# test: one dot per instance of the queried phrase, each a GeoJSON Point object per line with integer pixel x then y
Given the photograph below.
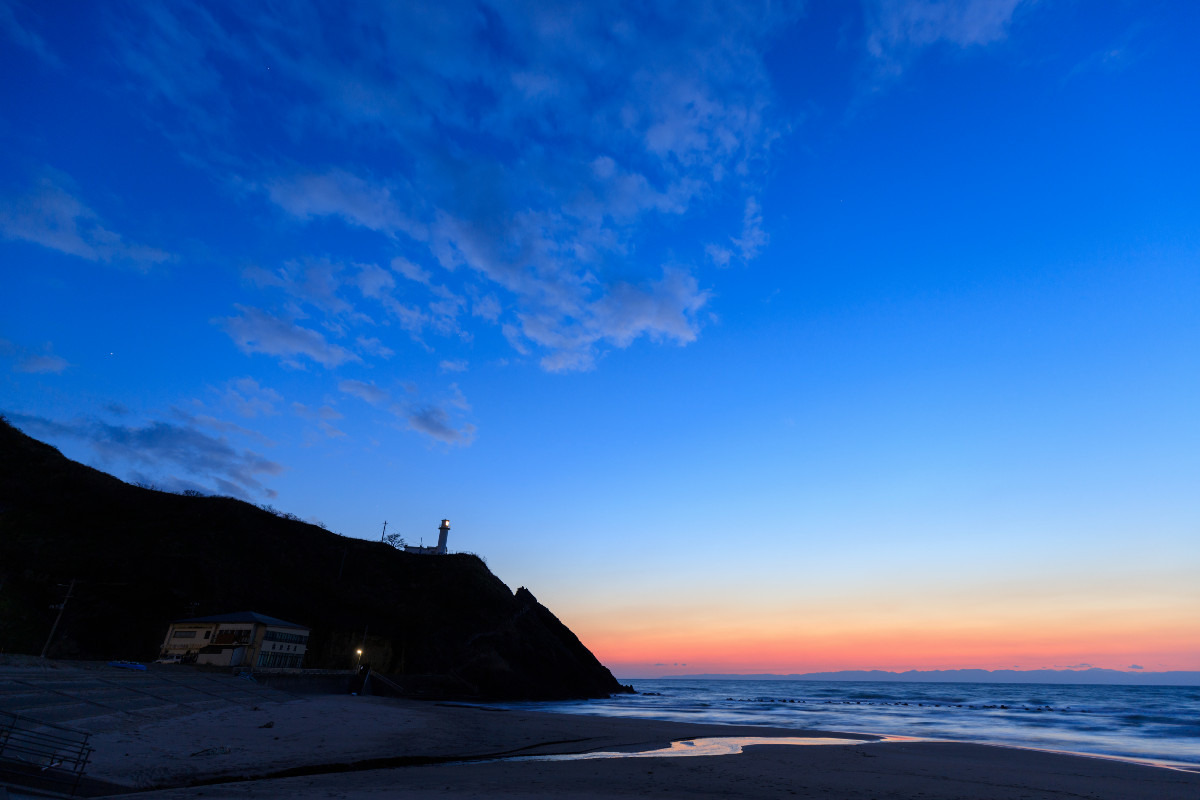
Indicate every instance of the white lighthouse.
{"type": "Point", "coordinates": [440, 550]}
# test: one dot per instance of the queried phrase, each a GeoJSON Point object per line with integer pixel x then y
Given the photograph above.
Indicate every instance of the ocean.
{"type": "Point", "coordinates": [1157, 724]}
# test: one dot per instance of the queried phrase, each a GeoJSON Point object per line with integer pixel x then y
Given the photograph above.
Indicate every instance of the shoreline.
{"type": "Point", "coordinates": [169, 735]}
{"type": "Point", "coordinates": [1152, 725]}
{"type": "Point", "coordinates": [1158, 763]}
{"type": "Point", "coordinates": [364, 747]}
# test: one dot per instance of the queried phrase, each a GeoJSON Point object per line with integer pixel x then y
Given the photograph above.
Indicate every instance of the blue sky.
{"type": "Point", "coordinates": [686, 315]}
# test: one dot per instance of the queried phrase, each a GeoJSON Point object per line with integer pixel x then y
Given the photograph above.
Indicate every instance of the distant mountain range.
{"type": "Point", "coordinates": [1093, 675]}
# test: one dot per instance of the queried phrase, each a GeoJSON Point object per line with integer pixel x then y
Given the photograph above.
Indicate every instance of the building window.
{"type": "Point", "coordinates": [278, 660]}
{"type": "Point", "coordinates": [183, 635]}
{"type": "Point", "coordinates": [233, 636]}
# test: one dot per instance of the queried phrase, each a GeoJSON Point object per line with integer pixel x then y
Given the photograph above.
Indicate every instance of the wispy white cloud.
{"type": "Point", "coordinates": [40, 361]}
{"type": "Point", "coordinates": [53, 217]}
{"type": "Point", "coordinates": [374, 281]}
{"type": "Point", "coordinates": [753, 238]}
{"type": "Point", "coordinates": [23, 34]}
{"type": "Point", "coordinates": [364, 391]}
{"type": "Point", "coordinates": [43, 363]}
{"type": "Point", "coordinates": [1117, 57]}
{"type": "Point", "coordinates": [487, 307]}
{"type": "Point", "coordinates": [411, 271]}
{"type": "Point", "coordinates": [435, 422]}
{"type": "Point", "coordinates": [373, 346]}
{"type": "Point", "coordinates": [438, 418]}
{"type": "Point", "coordinates": [359, 201]}
{"type": "Point", "coordinates": [165, 447]}
{"type": "Point", "coordinates": [718, 254]}
{"type": "Point", "coordinates": [536, 147]}
{"type": "Point", "coordinates": [175, 56]}
{"type": "Point", "coordinates": [897, 28]}
{"type": "Point", "coordinates": [323, 418]}
{"type": "Point", "coordinates": [249, 399]}
{"type": "Point", "coordinates": [323, 413]}
{"type": "Point", "coordinates": [453, 365]}
{"type": "Point", "coordinates": [748, 244]}
{"type": "Point", "coordinates": [256, 331]}
{"type": "Point", "coordinates": [662, 310]}
{"type": "Point", "coordinates": [317, 282]}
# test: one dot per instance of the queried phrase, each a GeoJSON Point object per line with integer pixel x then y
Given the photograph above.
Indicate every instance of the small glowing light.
{"type": "Point", "coordinates": [359, 651]}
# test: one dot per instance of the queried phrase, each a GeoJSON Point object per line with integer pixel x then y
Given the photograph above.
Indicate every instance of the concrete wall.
{"type": "Point", "coordinates": [307, 682]}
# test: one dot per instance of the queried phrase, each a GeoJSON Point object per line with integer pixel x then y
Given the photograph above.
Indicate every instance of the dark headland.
{"type": "Point", "coordinates": [141, 558]}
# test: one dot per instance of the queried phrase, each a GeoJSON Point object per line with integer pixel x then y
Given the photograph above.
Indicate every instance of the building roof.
{"type": "Point", "coordinates": [246, 616]}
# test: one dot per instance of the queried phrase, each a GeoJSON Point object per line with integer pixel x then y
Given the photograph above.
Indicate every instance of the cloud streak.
{"type": "Point", "coordinates": [256, 331]}
{"type": "Point", "coordinates": [435, 419]}
{"type": "Point", "coordinates": [899, 28]}
{"type": "Point", "coordinates": [536, 147]}
{"type": "Point", "coordinates": [435, 422]}
{"type": "Point", "coordinates": [367, 392]}
{"type": "Point", "coordinates": [249, 399]}
{"type": "Point", "coordinates": [37, 363]}
{"type": "Point", "coordinates": [164, 448]}
{"type": "Point", "coordinates": [53, 217]}
{"type": "Point", "coordinates": [24, 36]}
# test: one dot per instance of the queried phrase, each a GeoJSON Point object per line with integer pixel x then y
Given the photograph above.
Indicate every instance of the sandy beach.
{"type": "Point", "coordinates": [365, 747]}
{"type": "Point", "coordinates": [172, 733]}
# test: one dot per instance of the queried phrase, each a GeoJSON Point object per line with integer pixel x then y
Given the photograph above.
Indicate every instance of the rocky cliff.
{"type": "Point", "coordinates": [140, 558]}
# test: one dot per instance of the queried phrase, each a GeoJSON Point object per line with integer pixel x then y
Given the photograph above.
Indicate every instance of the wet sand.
{"type": "Point", "coordinates": [364, 747]}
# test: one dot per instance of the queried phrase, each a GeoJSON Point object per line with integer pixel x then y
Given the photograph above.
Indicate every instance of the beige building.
{"type": "Point", "coordinates": [241, 639]}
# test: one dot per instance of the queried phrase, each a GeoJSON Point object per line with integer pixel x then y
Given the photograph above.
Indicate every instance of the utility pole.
{"type": "Point", "coordinates": [61, 608]}
{"type": "Point", "coordinates": [383, 536]}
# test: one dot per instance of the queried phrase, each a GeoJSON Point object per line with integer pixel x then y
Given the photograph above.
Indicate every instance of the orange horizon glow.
{"type": "Point", "coordinates": [1147, 626]}
{"type": "Point", "coordinates": [1155, 648]}
{"type": "Point", "coordinates": [643, 668]}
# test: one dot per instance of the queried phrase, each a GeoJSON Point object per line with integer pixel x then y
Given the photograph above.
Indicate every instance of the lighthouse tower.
{"type": "Point", "coordinates": [443, 532]}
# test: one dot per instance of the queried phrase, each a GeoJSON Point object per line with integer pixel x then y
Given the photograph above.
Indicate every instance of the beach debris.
{"type": "Point", "coordinates": [220, 750]}
{"type": "Point", "coordinates": [270, 724]}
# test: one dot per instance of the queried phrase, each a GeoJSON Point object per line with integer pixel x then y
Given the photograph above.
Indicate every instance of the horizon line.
{"type": "Point", "coordinates": [1008, 672]}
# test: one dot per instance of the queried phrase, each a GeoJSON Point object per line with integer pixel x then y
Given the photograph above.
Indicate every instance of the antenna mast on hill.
{"type": "Point", "coordinates": [383, 536]}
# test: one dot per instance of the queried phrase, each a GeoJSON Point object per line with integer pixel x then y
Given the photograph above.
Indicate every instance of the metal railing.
{"type": "Point", "coordinates": [42, 753]}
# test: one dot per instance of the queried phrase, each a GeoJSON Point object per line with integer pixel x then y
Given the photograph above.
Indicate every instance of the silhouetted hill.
{"type": "Point", "coordinates": [143, 557]}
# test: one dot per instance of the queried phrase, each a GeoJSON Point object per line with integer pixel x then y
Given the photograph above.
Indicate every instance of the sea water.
{"type": "Point", "coordinates": [1160, 724]}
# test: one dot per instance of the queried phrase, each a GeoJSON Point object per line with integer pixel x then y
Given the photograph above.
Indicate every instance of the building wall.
{"type": "Point", "coordinates": [236, 640]}
{"type": "Point", "coordinates": [282, 647]}
{"type": "Point", "coordinates": [188, 637]}
{"type": "Point", "coordinates": [236, 644]}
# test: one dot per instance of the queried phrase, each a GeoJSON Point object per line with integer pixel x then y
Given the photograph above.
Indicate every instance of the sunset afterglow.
{"type": "Point", "coordinates": [749, 337]}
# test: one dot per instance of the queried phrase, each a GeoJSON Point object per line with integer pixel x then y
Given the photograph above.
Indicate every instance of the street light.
{"type": "Point", "coordinates": [359, 651]}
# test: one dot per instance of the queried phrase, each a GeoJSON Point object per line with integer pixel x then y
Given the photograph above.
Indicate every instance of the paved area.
{"type": "Point", "coordinates": [94, 697]}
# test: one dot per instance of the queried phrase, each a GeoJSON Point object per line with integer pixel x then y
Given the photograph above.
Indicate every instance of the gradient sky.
{"type": "Point", "coordinates": [749, 337]}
